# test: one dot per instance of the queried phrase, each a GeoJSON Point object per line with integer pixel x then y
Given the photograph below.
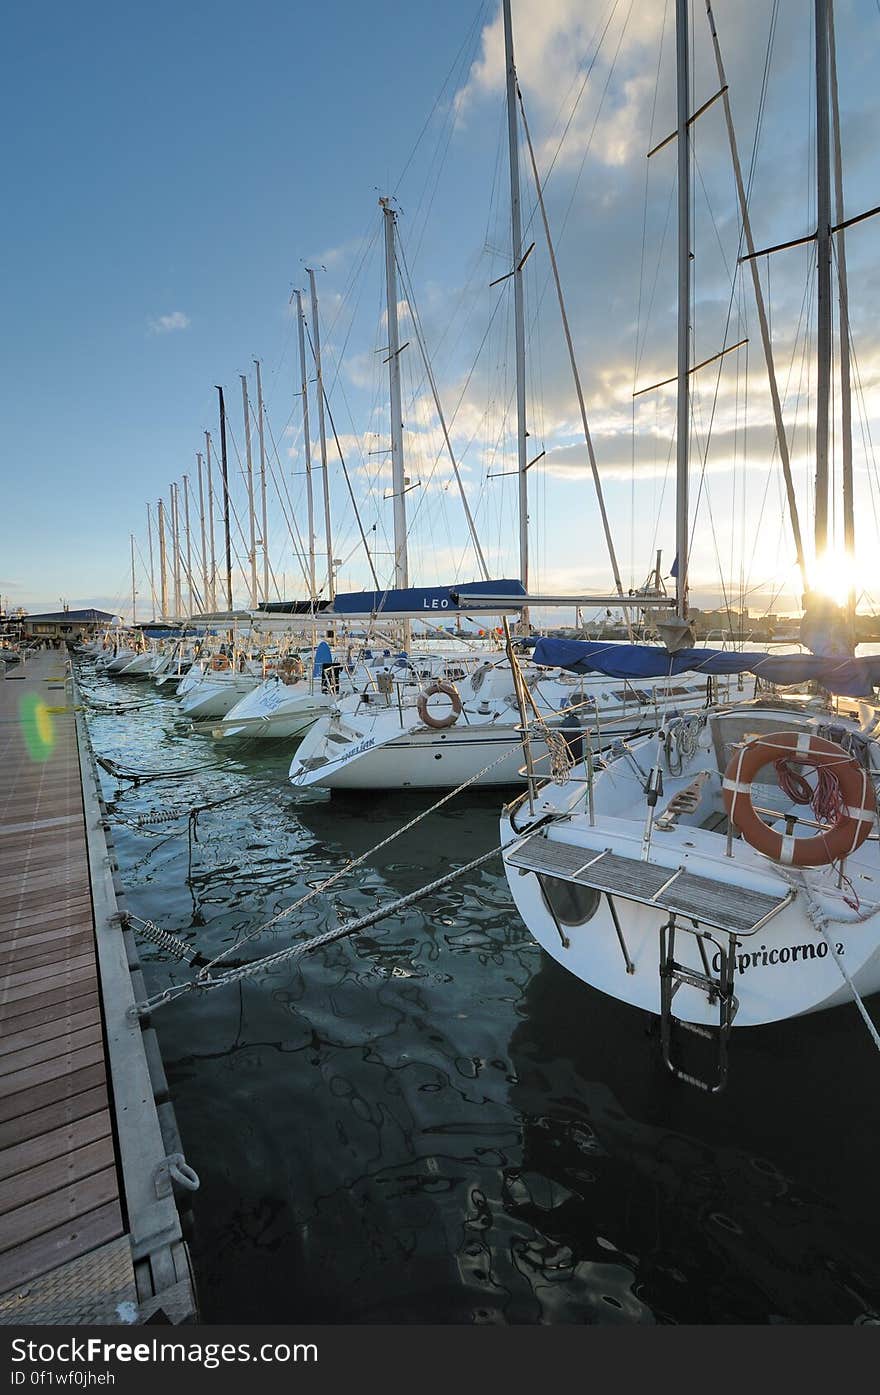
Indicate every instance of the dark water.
{"type": "Point", "coordinates": [434, 1122]}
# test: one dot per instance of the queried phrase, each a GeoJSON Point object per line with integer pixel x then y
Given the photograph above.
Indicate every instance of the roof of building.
{"type": "Point", "coordinates": [73, 617]}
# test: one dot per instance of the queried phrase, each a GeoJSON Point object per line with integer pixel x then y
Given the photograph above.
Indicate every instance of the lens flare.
{"type": "Point", "coordinates": [37, 726]}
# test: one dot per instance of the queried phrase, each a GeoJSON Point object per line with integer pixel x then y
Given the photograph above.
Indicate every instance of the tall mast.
{"type": "Point", "coordinates": [175, 539]}
{"type": "Point", "coordinates": [597, 483]}
{"type": "Point", "coordinates": [152, 573]}
{"type": "Point", "coordinates": [265, 521]}
{"type": "Point", "coordinates": [684, 299]}
{"type": "Point", "coordinates": [307, 443]}
{"type": "Point", "coordinates": [212, 589]}
{"type": "Point", "coordinates": [518, 315]}
{"type": "Point", "coordinates": [398, 482]}
{"type": "Point", "coordinates": [781, 438]}
{"type": "Point", "coordinates": [189, 575]}
{"type": "Point", "coordinates": [133, 591]}
{"type": "Point", "coordinates": [163, 574]}
{"type": "Point", "coordinates": [225, 472]}
{"type": "Point", "coordinates": [205, 591]}
{"type": "Point", "coordinates": [250, 487]}
{"type": "Point", "coordinates": [823, 249]}
{"type": "Point", "coordinates": [321, 432]}
{"type": "Point", "coordinates": [849, 529]}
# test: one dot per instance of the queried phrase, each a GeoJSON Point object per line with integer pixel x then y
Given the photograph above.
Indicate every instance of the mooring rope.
{"type": "Point", "coordinates": [204, 983]}
{"type": "Point", "coordinates": [121, 772]}
{"type": "Point", "coordinates": [356, 862]}
{"type": "Point", "coordinates": [180, 948]}
{"type": "Point", "coordinates": [821, 921]}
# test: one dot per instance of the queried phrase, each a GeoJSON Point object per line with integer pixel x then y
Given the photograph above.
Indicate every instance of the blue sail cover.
{"type": "Point", "coordinates": [430, 600]}
{"type": "Point", "coordinates": [846, 677]}
{"type": "Point", "coordinates": [323, 657]}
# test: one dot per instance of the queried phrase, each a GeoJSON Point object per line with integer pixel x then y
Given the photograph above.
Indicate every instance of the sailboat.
{"type": "Point", "coordinates": [447, 733]}
{"type": "Point", "coordinates": [699, 875]}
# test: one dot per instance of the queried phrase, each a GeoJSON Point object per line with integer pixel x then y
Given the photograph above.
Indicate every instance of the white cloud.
{"type": "Point", "coordinates": [167, 324]}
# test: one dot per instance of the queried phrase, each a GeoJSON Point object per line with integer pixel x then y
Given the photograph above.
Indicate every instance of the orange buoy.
{"type": "Point", "coordinates": [843, 837]}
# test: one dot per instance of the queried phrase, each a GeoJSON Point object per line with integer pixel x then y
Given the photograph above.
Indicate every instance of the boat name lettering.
{"type": "Point", "coordinates": [359, 749]}
{"type": "Point", "coordinates": [785, 954]}
{"type": "Point", "coordinates": [435, 604]}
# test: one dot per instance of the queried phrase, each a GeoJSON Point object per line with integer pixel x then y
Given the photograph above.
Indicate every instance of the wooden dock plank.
{"type": "Point", "coordinates": [63, 1086]}
{"type": "Point", "coordinates": [46, 1071]}
{"type": "Point", "coordinates": [51, 1248]}
{"type": "Point", "coordinates": [52, 1116]}
{"type": "Point", "coordinates": [45, 1031]}
{"type": "Point", "coordinates": [32, 1152]}
{"type": "Point", "coordinates": [67, 1169]}
{"type": "Point", "coordinates": [65, 1204]}
{"type": "Point", "coordinates": [48, 1012]}
{"type": "Point", "coordinates": [52, 1050]}
{"type": "Point", "coordinates": [59, 1187]}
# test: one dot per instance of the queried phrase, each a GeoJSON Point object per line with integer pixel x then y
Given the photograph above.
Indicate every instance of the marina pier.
{"type": "Point", "coordinates": [90, 1159]}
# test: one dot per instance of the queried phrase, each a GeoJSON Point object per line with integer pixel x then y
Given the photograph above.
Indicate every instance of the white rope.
{"type": "Point", "coordinates": [204, 983]}
{"type": "Point", "coordinates": [875, 1035]}
{"type": "Point", "coordinates": [355, 862]}
{"type": "Point", "coordinates": [821, 920]}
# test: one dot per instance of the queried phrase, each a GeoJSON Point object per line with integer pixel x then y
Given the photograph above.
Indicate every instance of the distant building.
{"type": "Point", "coordinates": [66, 624]}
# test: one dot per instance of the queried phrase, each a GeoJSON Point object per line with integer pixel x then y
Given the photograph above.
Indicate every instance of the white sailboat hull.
{"type": "Point", "coordinates": [213, 697]}
{"type": "Point", "coordinates": [599, 891]}
{"type": "Point", "coordinates": [273, 711]}
{"type": "Point", "coordinates": [423, 760]}
{"type": "Point", "coordinates": [786, 969]}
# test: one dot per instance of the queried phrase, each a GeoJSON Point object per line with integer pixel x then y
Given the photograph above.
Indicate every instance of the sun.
{"type": "Point", "coordinates": [834, 576]}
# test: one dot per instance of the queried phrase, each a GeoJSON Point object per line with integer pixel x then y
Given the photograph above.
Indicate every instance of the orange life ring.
{"type": "Point", "coordinates": [219, 663]}
{"type": "Point", "coordinates": [842, 838]}
{"type": "Point", "coordinates": [450, 690]}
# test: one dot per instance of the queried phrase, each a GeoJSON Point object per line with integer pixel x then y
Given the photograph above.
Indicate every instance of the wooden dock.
{"type": "Point", "coordinates": [89, 1231]}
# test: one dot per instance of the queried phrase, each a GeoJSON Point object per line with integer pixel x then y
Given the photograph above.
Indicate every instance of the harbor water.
{"type": "Point", "coordinates": [433, 1122]}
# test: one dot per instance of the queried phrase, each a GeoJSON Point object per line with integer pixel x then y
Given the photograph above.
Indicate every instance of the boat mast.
{"type": "Point", "coordinates": [322, 433]}
{"type": "Point", "coordinates": [133, 591]}
{"type": "Point", "coordinates": [597, 483]}
{"type": "Point", "coordinates": [255, 595]}
{"type": "Point", "coordinates": [213, 585]}
{"type": "Point", "coordinates": [398, 485]}
{"type": "Point", "coordinates": [175, 539]}
{"type": "Point", "coordinates": [163, 574]}
{"type": "Point", "coordinates": [307, 445]}
{"type": "Point", "coordinates": [152, 572]}
{"type": "Point", "coordinates": [189, 575]}
{"type": "Point", "coordinates": [518, 313]}
{"type": "Point", "coordinates": [849, 529]}
{"type": "Point", "coordinates": [262, 441]}
{"type": "Point", "coordinates": [781, 438]}
{"type": "Point", "coordinates": [823, 249]}
{"type": "Point", "coordinates": [398, 479]}
{"type": "Point", "coordinates": [225, 473]}
{"type": "Point", "coordinates": [205, 591]}
{"type": "Point", "coordinates": [684, 297]}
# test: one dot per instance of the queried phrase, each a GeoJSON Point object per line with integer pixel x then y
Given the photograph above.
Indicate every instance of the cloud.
{"type": "Point", "coordinates": [167, 324]}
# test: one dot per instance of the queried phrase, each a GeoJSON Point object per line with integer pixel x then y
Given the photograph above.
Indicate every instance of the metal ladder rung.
{"type": "Point", "coordinates": [672, 977]}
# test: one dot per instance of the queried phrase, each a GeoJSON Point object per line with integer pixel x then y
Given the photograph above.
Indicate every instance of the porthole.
{"type": "Point", "coordinates": [571, 903]}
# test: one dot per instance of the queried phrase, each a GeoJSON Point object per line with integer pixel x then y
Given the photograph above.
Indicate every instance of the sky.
{"type": "Point", "coordinates": [173, 170]}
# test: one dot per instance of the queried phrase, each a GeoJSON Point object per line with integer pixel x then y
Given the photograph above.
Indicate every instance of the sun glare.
{"type": "Point", "coordinates": [834, 576]}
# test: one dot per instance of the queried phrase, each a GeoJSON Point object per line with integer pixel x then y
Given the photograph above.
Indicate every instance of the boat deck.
{"type": "Point", "coordinates": [65, 1234]}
